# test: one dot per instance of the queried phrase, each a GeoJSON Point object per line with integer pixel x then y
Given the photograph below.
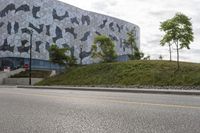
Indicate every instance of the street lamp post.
{"type": "Point", "coordinates": [81, 56]}
{"type": "Point", "coordinates": [30, 59]}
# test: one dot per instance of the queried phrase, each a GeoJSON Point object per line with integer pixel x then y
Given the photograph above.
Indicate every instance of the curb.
{"type": "Point", "coordinates": [122, 90]}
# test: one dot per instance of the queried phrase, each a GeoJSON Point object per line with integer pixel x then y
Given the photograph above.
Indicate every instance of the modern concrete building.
{"type": "Point", "coordinates": [53, 21]}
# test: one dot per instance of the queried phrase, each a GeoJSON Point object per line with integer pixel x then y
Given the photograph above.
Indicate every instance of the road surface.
{"type": "Point", "coordinates": [59, 111]}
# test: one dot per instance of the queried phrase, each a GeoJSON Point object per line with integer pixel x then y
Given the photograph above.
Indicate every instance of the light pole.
{"type": "Point", "coordinates": [30, 59]}
{"type": "Point", "coordinates": [81, 51]}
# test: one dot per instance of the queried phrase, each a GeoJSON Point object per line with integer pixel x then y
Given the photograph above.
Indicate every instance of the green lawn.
{"type": "Point", "coordinates": [129, 73]}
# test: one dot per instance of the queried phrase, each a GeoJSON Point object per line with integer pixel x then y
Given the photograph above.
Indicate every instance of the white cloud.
{"type": "Point", "coordinates": [148, 14]}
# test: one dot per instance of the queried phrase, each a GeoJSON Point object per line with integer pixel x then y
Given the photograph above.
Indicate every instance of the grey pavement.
{"type": "Point", "coordinates": [67, 111]}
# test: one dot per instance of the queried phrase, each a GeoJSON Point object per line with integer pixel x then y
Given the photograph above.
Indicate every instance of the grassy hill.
{"type": "Point", "coordinates": [129, 73]}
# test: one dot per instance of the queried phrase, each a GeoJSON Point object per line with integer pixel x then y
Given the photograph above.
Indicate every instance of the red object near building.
{"type": "Point", "coordinates": [26, 67]}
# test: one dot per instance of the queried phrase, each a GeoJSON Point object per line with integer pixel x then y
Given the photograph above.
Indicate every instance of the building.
{"type": "Point", "coordinates": [53, 21]}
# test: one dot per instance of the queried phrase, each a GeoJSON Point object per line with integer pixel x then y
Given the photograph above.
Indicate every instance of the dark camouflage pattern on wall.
{"type": "Point", "coordinates": [55, 22]}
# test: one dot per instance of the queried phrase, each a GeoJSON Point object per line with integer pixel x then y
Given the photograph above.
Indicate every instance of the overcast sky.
{"type": "Point", "coordinates": [148, 14]}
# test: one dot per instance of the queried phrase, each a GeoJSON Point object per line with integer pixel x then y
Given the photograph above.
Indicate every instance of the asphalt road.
{"type": "Point", "coordinates": [59, 111]}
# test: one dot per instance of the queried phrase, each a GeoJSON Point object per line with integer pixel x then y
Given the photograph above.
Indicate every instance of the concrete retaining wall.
{"type": "Point", "coordinates": [20, 81]}
{"type": "Point", "coordinates": [4, 75]}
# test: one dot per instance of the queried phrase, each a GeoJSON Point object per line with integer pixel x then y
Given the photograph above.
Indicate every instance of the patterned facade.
{"type": "Point", "coordinates": [53, 21]}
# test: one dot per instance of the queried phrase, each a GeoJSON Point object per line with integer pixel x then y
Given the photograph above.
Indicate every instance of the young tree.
{"type": "Point", "coordinates": [104, 49]}
{"type": "Point", "coordinates": [163, 42]}
{"type": "Point", "coordinates": [72, 61]}
{"type": "Point", "coordinates": [136, 54]}
{"type": "Point", "coordinates": [131, 41]}
{"type": "Point", "coordinates": [59, 56]}
{"type": "Point", "coordinates": [147, 57]}
{"type": "Point", "coordinates": [160, 57]}
{"type": "Point", "coordinates": [178, 31]}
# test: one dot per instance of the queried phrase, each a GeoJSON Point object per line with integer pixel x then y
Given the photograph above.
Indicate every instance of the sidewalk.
{"type": "Point", "coordinates": [122, 90]}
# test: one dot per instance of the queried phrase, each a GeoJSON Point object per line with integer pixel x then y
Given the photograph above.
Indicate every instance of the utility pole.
{"type": "Point", "coordinates": [81, 56]}
{"type": "Point", "coordinates": [30, 59]}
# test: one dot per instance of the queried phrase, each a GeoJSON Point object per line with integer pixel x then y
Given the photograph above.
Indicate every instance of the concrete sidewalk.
{"type": "Point", "coordinates": [123, 90]}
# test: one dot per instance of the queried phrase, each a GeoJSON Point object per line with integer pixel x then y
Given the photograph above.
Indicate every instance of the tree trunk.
{"type": "Point", "coordinates": [132, 50]}
{"type": "Point", "coordinates": [170, 52]}
{"type": "Point", "coordinates": [178, 64]}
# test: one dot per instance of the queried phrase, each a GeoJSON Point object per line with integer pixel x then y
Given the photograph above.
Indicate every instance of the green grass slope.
{"type": "Point", "coordinates": [129, 73]}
